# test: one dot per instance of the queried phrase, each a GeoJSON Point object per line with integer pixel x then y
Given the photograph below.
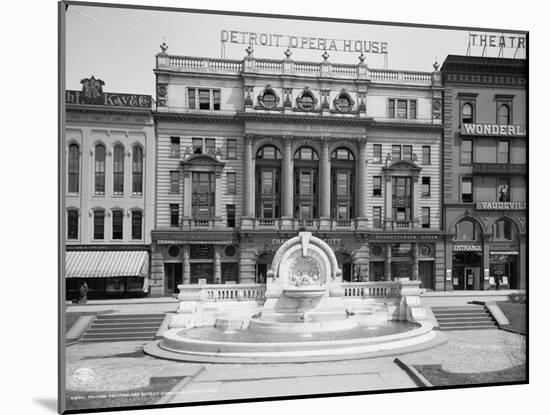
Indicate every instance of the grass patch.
{"type": "Point", "coordinates": [439, 377]}
{"type": "Point", "coordinates": [147, 395]}
{"type": "Point", "coordinates": [70, 319]}
{"type": "Point", "coordinates": [516, 313]}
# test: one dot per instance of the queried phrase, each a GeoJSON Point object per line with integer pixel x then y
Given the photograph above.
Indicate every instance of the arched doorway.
{"type": "Point", "coordinates": [467, 256]}
{"type": "Point", "coordinates": [504, 255]}
{"type": "Point", "coordinates": [345, 263]}
{"type": "Point", "coordinates": [263, 263]}
{"type": "Point", "coordinates": [268, 182]}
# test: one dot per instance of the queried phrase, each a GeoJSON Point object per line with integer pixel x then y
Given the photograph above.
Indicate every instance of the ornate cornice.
{"type": "Point", "coordinates": [106, 110]}
{"type": "Point", "coordinates": [404, 126]}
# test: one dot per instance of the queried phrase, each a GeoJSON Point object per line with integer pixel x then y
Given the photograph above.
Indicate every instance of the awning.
{"type": "Point", "coordinates": [106, 264]}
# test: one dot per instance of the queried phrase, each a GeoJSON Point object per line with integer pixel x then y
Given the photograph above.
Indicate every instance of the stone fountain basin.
{"type": "Point", "coordinates": [304, 292]}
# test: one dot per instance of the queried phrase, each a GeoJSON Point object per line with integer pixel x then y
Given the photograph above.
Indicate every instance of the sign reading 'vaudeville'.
{"type": "Point", "coordinates": [304, 42]}
{"type": "Point", "coordinates": [501, 205]}
{"type": "Point", "coordinates": [493, 130]}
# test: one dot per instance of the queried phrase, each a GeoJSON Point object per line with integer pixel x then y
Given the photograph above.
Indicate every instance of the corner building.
{"type": "Point", "coordinates": [485, 172]}
{"type": "Point", "coordinates": [251, 151]}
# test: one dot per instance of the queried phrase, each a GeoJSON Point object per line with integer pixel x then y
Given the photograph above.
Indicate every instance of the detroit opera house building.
{"type": "Point", "coordinates": [251, 151]}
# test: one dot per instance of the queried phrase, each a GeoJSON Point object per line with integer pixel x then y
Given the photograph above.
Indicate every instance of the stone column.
{"type": "Point", "coordinates": [388, 214]}
{"type": "Point", "coordinates": [218, 201]}
{"type": "Point", "coordinates": [448, 262]}
{"type": "Point", "coordinates": [324, 185]}
{"type": "Point", "coordinates": [485, 260]}
{"type": "Point", "coordinates": [414, 253]}
{"type": "Point", "coordinates": [186, 267]}
{"type": "Point", "coordinates": [287, 184]}
{"type": "Point", "coordinates": [362, 184]}
{"type": "Point", "coordinates": [388, 262]}
{"type": "Point", "coordinates": [522, 261]}
{"type": "Point", "coordinates": [414, 204]}
{"type": "Point", "coordinates": [248, 180]}
{"type": "Point", "coordinates": [217, 266]}
{"type": "Point", "coordinates": [187, 185]}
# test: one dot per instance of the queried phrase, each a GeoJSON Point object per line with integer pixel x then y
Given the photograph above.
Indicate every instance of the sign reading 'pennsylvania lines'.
{"type": "Point", "coordinates": [501, 205]}
{"type": "Point", "coordinates": [304, 42]}
{"type": "Point", "coordinates": [493, 130]}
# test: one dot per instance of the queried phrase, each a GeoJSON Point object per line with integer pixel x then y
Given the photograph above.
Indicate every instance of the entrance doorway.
{"type": "Point", "coordinates": [345, 262]}
{"type": "Point", "coordinates": [173, 275]}
{"type": "Point", "coordinates": [426, 274]}
{"type": "Point", "coordinates": [467, 271]}
{"type": "Point", "coordinates": [376, 271]}
{"type": "Point", "coordinates": [263, 264]}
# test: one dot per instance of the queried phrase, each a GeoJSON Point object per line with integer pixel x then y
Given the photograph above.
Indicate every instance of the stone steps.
{"type": "Point", "coordinates": [123, 327]}
{"type": "Point", "coordinates": [464, 318]}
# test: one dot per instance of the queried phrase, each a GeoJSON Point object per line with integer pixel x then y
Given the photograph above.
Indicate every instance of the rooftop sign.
{"type": "Point", "coordinates": [92, 94]}
{"type": "Point", "coordinates": [304, 42]}
{"type": "Point", "coordinates": [493, 130]}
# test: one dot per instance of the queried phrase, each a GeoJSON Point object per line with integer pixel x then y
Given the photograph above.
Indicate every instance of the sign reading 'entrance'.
{"type": "Point", "coordinates": [467, 248]}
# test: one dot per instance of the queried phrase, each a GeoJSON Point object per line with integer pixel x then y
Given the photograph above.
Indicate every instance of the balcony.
{"type": "Point", "coordinates": [398, 225]}
{"type": "Point", "coordinates": [500, 168]}
{"type": "Point", "coordinates": [202, 224]}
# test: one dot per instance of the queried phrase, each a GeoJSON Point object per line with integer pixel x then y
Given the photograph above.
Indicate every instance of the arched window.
{"type": "Point", "coordinates": [99, 186]}
{"type": "Point", "coordinates": [137, 224]}
{"type": "Point", "coordinates": [118, 170]}
{"type": "Point", "coordinates": [137, 170]}
{"type": "Point", "coordinates": [99, 224]}
{"type": "Point", "coordinates": [504, 114]}
{"type": "Point", "coordinates": [466, 231]}
{"type": "Point", "coordinates": [72, 223]}
{"type": "Point", "coordinates": [74, 168]}
{"type": "Point", "coordinates": [343, 184]}
{"type": "Point", "coordinates": [306, 188]}
{"type": "Point", "coordinates": [504, 230]}
{"type": "Point", "coordinates": [467, 113]}
{"type": "Point", "coordinates": [268, 182]}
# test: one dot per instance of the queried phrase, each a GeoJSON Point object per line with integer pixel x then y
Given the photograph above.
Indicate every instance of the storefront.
{"type": "Point", "coordinates": [467, 266]}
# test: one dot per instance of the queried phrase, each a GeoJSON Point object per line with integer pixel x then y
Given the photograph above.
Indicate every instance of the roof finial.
{"type": "Point", "coordinates": [362, 58]}
{"type": "Point", "coordinates": [249, 50]}
{"type": "Point", "coordinates": [325, 55]}
{"type": "Point", "coordinates": [288, 53]}
{"type": "Point", "coordinates": [436, 65]}
{"type": "Point", "coordinates": [163, 46]}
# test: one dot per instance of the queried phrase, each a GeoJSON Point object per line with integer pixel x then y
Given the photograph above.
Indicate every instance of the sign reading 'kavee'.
{"type": "Point", "coordinates": [92, 94]}
{"type": "Point", "coordinates": [501, 205]}
{"type": "Point", "coordinates": [493, 130]}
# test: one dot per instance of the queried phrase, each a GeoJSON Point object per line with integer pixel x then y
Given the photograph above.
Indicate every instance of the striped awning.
{"type": "Point", "coordinates": [106, 264]}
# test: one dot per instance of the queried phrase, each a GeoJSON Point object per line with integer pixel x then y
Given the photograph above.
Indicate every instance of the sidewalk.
{"type": "Point", "coordinates": [125, 305]}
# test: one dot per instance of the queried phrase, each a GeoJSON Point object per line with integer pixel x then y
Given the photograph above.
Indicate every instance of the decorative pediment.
{"type": "Point", "coordinates": [402, 166]}
{"type": "Point", "coordinates": [202, 162]}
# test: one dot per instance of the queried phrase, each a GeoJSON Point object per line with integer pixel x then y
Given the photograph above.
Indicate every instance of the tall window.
{"type": "Point", "coordinates": [503, 152]}
{"type": "Point", "coordinates": [466, 231]}
{"type": "Point", "coordinates": [467, 195]}
{"type": "Point", "coordinates": [377, 217]}
{"type": "Point", "coordinates": [137, 224]}
{"type": "Point", "coordinates": [396, 152]}
{"type": "Point", "coordinates": [377, 153]}
{"type": "Point", "coordinates": [216, 96]}
{"type": "Point", "coordinates": [425, 186]}
{"type": "Point", "coordinates": [118, 219]}
{"type": "Point", "coordinates": [204, 99]}
{"type": "Point", "coordinates": [401, 108]}
{"type": "Point", "coordinates": [503, 190]}
{"type": "Point", "coordinates": [99, 186]}
{"type": "Point", "coordinates": [74, 168]}
{"type": "Point", "coordinates": [174, 214]}
{"type": "Point", "coordinates": [230, 216]}
{"type": "Point", "coordinates": [210, 146]}
{"type": "Point", "coordinates": [377, 186]}
{"type": "Point", "coordinates": [426, 155]}
{"type": "Point", "coordinates": [391, 108]}
{"type": "Point", "coordinates": [72, 224]}
{"type": "Point", "coordinates": [99, 224]}
{"type": "Point", "coordinates": [425, 217]}
{"type": "Point", "coordinates": [191, 98]}
{"type": "Point", "coordinates": [268, 176]}
{"type": "Point", "coordinates": [174, 181]}
{"type": "Point", "coordinates": [503, 230]}
{"type": "Point", "coordinates": [197, 145]}
{"type": "Point", "coordinates": [467, 113]}
{"type": "Point", "coordinates": [407, 153]}
{"type": "Point", "coordinates": [343, 182]}
{"type": "Point", "coordinates": [466, 151]}
{"type": "Point", "coordinates": [306, 194]}
{"type": "Point", "coordinates": [504, 117]}
{"type": "Point", "coordinates": [231, 148]}
{"type": "Point", "coordinates": [118, 170]}
{"type": "Point", "coordinates": [137, 170]}
{"type": "Point", "coordinates": [401, 198]}
{"type": "Point", "coordinates": [412, 109]}
{"type": "Point", "coordinates": [174, 146]}
{"type": "Point", "coordinates": [203, 195]}
{"type": "Point", "coordinates": [232, 183]}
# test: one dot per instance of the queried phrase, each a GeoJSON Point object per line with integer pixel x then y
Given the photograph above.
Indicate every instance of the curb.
{"type": "Point", "coordinates": [414, 374]}
{"type": "Point", "coordinates": [180, 385]}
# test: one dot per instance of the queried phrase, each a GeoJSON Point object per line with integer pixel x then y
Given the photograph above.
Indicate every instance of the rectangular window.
{"type": "Point", "coordinates": [174, 181]}
{"type": "Point", "coordinates": [466, 153]}
{"type": "Point", "coordinates": [72, 224]}
{"type": "Point", "coordinates": [267, 181]}
{"type": "Point", "coordinates": [377, 186]}
{"type": "Point", "coordinates": [503, 190]}
{"type": "Point", "coordinates": [230, 216]}
{"type": "Point", "coordinates": [377, 217]}
{"type": "Point", "coordinates": [467, 190]}
{"type": "Point", "coordinates": [117, 224]}
{"type": "Point", "coordinates": [426, 155]}
{"type": "Point", "coordinates": [412, 109]}
{"type": "Point", "coordinates": [191, 98]}
{"type": "Point", "coordinates": [216, 94]}
{"type": "Point", "coordinates": [204, 99]}
{"type": "Point", "coordinates": [342, 183]}
{"type": "Point", "coordinates": [391, 108]}
{"type": "Point", "coordinates": [174, 146]}
{"type": "Point", "coordinates": [197, 145]}
{"type": "Point", "coordinates": [377, 153]}
{"type": "Point", "coordinates": [407, 153]}
{"type": "Point", "coordinates": [425, 217]}
{"type": "Point", "coordinates": [232, 183]}
{"type": "Point", "coordinates": [231, 149]}
{"type": "Point", "coordinates": [267, 210]}
{"type": "Point", "coordinates": [137, 219]}
{"type": "Point", "coordinates": [99, 224]}
{"type": "Point", "coordinates": [174, 214]}
{"type": "Point", "coordinates": [306, 183]}
{"type": "Point", "coordinates": [210, 146]}
{"type": "Point", "coordinates": [395, 153]}
{"type": "Point", "coordinates": [425, 186]}
{"type": "Point", "coordinates": [503, 152]}
{"type": "Point", "coordinates": [401, 109]}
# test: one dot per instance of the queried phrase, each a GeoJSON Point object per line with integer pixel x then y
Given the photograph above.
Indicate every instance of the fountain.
{"type": "Point", "coordinates": [302, 315]}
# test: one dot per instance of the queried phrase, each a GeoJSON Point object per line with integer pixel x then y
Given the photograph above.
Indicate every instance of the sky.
{"type": "Point", "coordinates": [119, 45]}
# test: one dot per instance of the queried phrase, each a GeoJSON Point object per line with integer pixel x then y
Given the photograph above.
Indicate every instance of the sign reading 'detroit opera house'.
{"type": "Point", "coordinates": [493, 130]}
{"type": "Point", "coordinates": [303, 42]}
